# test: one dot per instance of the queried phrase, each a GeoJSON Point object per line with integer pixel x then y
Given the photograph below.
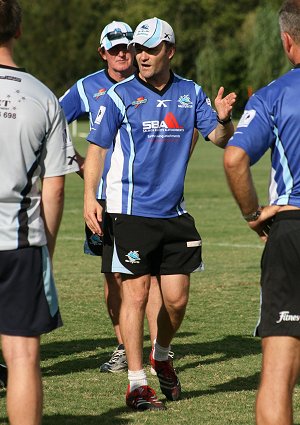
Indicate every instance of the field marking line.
{"type": "Point", "coordinates": [229, 245]}
{"type": "Point", "coordinates": [234, 245]}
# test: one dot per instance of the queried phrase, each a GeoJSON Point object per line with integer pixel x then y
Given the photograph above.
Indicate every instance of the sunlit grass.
{"type": "Point", "coordinates": [217, 359]}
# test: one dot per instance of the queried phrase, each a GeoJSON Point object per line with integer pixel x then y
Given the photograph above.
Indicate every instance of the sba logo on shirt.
{"type": "Point", "coordinates": [170, 122]}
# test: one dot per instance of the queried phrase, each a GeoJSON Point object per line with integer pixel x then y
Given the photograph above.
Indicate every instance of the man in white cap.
{"type": "Point", "coordinates": [150, 119]}
{"type": "Point", "coordinates": [86, 96]}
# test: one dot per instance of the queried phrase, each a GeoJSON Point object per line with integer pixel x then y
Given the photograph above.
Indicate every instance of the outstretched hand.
{"type": "Point", "coordinates": [225, 104]}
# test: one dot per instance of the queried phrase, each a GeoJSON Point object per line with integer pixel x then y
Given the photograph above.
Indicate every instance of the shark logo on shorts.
{"type": "Point", "coordinates": [133, 257]}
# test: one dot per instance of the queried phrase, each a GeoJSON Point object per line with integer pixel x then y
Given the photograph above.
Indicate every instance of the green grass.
{"type": "Point", "coordinates": [217, 358]}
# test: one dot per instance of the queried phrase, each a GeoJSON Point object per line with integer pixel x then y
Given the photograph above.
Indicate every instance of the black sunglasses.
{"type": "Point", "coordinates": [117, 35]}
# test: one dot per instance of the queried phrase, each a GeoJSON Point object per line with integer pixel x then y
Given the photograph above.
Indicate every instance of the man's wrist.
{"type": "Point", "coordinates": [253, 216]}
{"type": "Point", "coordinates": [224, 121]}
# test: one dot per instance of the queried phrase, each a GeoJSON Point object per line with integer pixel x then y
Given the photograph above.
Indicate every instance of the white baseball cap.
{"type": "Point", "coordinates": [115, 33]}
{"type": "Point", "coordinates": [151, 32]}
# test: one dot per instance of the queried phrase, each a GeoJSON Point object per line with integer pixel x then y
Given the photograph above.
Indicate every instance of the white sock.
{"type": "Point", "coordinates": [160, 353]}
{"type": "Point", "coordinates": [137, 378]}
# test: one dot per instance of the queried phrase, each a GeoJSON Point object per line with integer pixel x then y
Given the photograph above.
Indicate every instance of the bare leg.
{"type": "Point", "coordinates": [175, 293]}
{"type": "Point", "coordinates": [280, 371]}
{"type": "Point", "coordinates": [24, 387]}
{"type": "Point", "coordinates": [135, 292]}
{"type": "Point", "coordinates": [153, 307]}
{"type": "Point", "coordinates": [113, 299]}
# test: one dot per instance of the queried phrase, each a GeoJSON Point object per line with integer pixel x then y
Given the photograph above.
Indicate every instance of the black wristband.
{"type": "Point", "coordinates": [223, 122]}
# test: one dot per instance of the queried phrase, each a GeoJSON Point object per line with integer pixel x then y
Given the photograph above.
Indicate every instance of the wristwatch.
{"type": "Point", "coordinates": [224, 122]}
{"type": "Point", "coordinates": [253, 216]}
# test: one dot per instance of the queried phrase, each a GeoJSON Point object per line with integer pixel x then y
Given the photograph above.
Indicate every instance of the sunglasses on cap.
{"type": "Point", "coordinates": [117, 35]}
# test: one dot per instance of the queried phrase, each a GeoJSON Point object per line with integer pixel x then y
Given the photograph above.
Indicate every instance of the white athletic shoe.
{"type": "Point", "coordinates": [117, 362]}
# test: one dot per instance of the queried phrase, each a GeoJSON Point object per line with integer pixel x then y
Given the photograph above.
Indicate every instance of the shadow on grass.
{"type": "Point", "coordinates": [112, 417]}
{"type": "Point", "coordinates": [229, 347]}
{"type": "Point", "coordinates": [59, 348]}
{"type": "Point", "coordinates": [109, 418]}
{"type": "Point", "coordinates": [83, 347]}
{"type": "Point", "coordinates": [249, 383]}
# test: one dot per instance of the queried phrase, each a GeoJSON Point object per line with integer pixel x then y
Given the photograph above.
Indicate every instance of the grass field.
{"type": "Point", "coordinates": [217, 359]}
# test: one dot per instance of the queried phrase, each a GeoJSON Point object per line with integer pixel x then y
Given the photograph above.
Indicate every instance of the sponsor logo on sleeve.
{"type": "Point", "coordinates": [246, 118]}
{"type": "Point", "coordinates": [100, 114]}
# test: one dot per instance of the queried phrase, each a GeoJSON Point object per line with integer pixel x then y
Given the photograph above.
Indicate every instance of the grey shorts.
{"type": "Point", "coordinates": [28, 299]}
{"type": "Point", "coordinates": [280, 278]}
{"type": "Point", "coordinates": [157, 246]}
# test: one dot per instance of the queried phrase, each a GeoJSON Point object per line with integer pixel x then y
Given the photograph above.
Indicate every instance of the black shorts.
{"type": "Point", "coordinates": [280, 278]}
{"type": "Point", "coordinates": [28, 299]}
{"type": "Point", "coordinates": [93, 244]}
{"type": "Point", "coordinates": [138, 245]}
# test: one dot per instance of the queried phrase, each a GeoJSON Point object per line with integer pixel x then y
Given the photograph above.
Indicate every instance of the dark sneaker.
{"type": "Point", "coordinates": [3, 376]}
{"type": "Point", "coordinates": [168, 380]}
{"type": "Point", "coordinates": [143, 398]}
{"type": "Point", "coordinates": [117, 362]}
{"type": "Point", "coordinates": [170, 356]}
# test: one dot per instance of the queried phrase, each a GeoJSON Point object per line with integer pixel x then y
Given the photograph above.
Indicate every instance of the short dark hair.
{"type": "Point", "coordinates": [10, 19]}
{"type": "Point", "coordinates": [168, 44]}
{"type": "Point", "coordinates": [289, 19]}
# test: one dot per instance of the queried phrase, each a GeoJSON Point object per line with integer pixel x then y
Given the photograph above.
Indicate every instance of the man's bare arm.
{"type": "Point", "coordinates": [52, 208]}
{"type": "Point", "coordinates": [94, 165]}
{"type": "Point", "coordinates": [239, 177]}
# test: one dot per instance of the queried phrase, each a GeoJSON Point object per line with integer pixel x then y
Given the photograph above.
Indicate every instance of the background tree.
{"type": "Point", "coordinates": [234, 44]}
{"type": "Point", "coordinates": [263, 47]}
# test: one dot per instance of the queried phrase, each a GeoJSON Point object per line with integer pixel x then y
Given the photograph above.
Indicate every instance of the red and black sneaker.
{"type": "Point", "coordinates": [168, 380]}
{"type": "Point", "coordinates": [143, 398]}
